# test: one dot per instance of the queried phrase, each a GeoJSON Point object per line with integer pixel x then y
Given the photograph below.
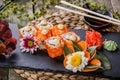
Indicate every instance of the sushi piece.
{"type": "Point", "coordinates": [59, 29]}
{"type": "Point", "coordinates": [42, 35]}
{"type": "Point", "coordinates": [44, 24]}
{"type": "Point", "coordinates": [27, 30]}
{"type": "Point", "coordinates": [69, 38]}
{"type": "Point", "coordinates": [54, 46]}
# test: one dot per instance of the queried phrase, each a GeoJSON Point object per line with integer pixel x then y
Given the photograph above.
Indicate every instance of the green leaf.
{"type": "Point", "coordinates": [76, 47]}
{"type": "Point", "coordinates": [45, 51]}
{"type": "Point", "coordinates": [94, 66]}
{"type": "Point", "coordinates": [47, 5]}
{"type": "Point", "coordinates": [91, 50]}
{"type": "Point", "coordinates": [104, 60]}
{"type": "Point", "coordinates": [44, 1]}
{"type": "Point", "coordinates": [61, 58]}
{"type": "Point", "coordinates": [51, 2]}
{"type": "Point", "coordinates": [30, 18]}
{"type": "Point", "coordinates": [67, 50]}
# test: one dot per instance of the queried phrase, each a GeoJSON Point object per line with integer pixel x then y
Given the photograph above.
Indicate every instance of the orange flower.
{"type": "Point", "coordinates": [2, 48]}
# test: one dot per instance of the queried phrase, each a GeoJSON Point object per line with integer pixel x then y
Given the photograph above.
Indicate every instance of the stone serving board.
{"type": "Point", "coordinates": [42, 62]}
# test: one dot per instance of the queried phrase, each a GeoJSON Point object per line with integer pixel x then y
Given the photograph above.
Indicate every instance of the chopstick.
{"type": "Point", "coordinates": [90, 16]}
{"type": "Point", "coordinates": [4, 5]}
{"type": "Point", "coordinates": [89, 11]}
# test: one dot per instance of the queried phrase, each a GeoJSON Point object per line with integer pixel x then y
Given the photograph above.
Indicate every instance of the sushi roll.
{"type": "Point", "coordinates": [27, 30]}
{"type": "Point", "coordinates": [54, 46]}
{"type": "Point", "coordinates": [59, 29]}
{"type": "Point", "coordinates": [44, 24]}
{"type": "Point", "coordinates": [42, 35]}
{"type": "Point", "coordinates": [69, 38]}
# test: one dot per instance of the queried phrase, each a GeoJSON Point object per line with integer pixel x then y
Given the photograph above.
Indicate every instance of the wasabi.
{"type": "Point", "coordinates": [110, 45]}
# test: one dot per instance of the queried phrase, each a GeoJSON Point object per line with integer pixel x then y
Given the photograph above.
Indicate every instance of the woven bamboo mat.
{"type": "Point", "coordinates": [72, 20]}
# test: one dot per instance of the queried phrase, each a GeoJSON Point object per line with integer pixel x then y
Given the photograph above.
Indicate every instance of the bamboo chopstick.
{"type": "Point", "coordinates": [89, 11]}
{"type": "Point", "coordinates": [90, 16]}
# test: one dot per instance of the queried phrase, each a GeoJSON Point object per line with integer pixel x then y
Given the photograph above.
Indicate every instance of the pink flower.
{"type": "Point", "coordinates": [28, 44]}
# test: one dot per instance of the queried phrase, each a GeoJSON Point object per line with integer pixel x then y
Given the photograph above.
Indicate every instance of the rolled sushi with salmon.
{"type": "Point", "coordinates": [44, 24]}
{"type": "Point", "coordinates": [42, 35]}
{"type": "Point", "coordinates": [69, 38]}
{"type": "Point", "coordinates": [27, 30]}
{"type": "Point", "coordinates": [59, 29]}
{"type": "Point", "coordinates": [54, 46]}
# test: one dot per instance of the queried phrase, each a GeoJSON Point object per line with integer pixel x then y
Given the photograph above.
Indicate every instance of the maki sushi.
{"type": "Point", "coordinates": [27, 30]}
{"type": "Point", "coordinates": [42, 35]}
{"type": "Point", "coordinates": [54, 46]}
{"type": "Point", "coordinates": [59, 29]}
{"type": "Point", "coordinates": [44, 24]}
{"type": "Point", "coordinates": [69, 38]}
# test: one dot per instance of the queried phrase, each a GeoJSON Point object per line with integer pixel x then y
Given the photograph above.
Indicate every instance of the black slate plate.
{"type": "Point", "coordinates": [41, 61]}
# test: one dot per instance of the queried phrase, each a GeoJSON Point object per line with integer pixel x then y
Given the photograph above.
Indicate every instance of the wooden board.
{"type": "Point", "coordinates": [45, 63]}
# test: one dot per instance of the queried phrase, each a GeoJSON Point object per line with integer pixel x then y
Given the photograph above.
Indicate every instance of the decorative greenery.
{"type": "Point", "coordinates": [105, 62]}
{"type": "Point", "coordinates": [19, 10]}
{"type": "Point", "coordinates": [67, 50]}
{"type": "Point", "coordinates": [116, 15]}
{"type": "Point", "coordinates": [92, 5]}
{"type": "Point", "coordinates": [95, 5]}
{"type": "Point", "coordinates": [16, 9]}
{"type": "Point", "coordinates": [76, 47]}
